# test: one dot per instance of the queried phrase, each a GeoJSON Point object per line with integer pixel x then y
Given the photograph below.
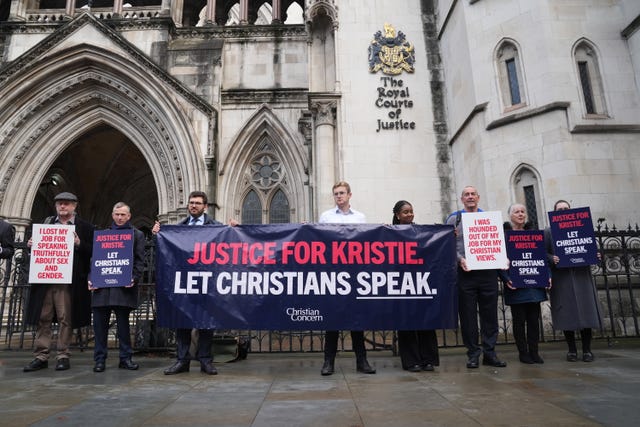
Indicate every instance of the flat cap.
{"type": "Point", "coordinates": [66, 196]}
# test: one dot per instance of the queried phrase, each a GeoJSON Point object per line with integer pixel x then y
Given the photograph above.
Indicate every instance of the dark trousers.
{"type": "Point", "coordinates": [526, 326]}
{"type": "Point", "coordinates": [331, 345]}
{"type": "Point", "coordinates": [478, 296]}
{"type": "Point", "coordinates": [101, 316]}
{"type": "Point", "coordinates": [203, 351]}
{"type": "Point", "coordinates": [585, 336]}
{"type": "Point", "coordinates": [418, 348]}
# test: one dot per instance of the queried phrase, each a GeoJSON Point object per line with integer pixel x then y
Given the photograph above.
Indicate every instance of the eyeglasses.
{"type": "Point", "coordinates": [196, 203]}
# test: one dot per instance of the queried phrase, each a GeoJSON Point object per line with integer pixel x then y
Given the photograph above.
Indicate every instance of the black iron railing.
{"type": "Point", "coordinates": [617, 278]}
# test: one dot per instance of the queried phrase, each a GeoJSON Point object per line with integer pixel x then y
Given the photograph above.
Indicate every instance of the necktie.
{"type": "Point", "coordinates": [194, 221]}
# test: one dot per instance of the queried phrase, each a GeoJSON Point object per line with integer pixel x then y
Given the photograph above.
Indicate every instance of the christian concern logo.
{"type": "Point", "coordinates": [391, 53]}
{"type": "Point", "coordinates": [304, 314]}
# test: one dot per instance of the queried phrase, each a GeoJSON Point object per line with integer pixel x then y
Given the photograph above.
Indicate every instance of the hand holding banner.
{"type": "Point", "coordinates": [306, 277]}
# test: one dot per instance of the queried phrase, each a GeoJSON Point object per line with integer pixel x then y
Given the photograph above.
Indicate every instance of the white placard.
{"type": "Point", "coordinates": [484, 246]}
{"type": "Point", "coordinates": [51, 253]}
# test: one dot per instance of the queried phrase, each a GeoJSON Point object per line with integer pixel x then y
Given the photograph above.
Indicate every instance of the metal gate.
{"type": "Point", "coordinates": [617, 279]}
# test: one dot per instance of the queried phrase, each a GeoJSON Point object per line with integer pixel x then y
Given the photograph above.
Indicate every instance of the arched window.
{"type": "Point", "coordinates": [279, 209]}
{"type": "Point", "coordinates": [527, 191]}
{"type": "Point", "coordinates": [266, 163]}
{"type": "Point", "coordinates": [252, 209]}
{"type": "Point", "coordinates": [264, 14]}
{"type": "Point", "coordinates": [233, 17]}
{"type": "Point", "coordinates": [589, 79]}
{"type": "Point", "coordinates": [510, 75]}
{"type": "Point", "coordinates": [266, 201]}
{"type": "Point", "coordinates": [294, 14]}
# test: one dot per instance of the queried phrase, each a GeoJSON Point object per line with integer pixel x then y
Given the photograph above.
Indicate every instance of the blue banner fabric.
{"type": "Point", "coordinates": [307, 277]}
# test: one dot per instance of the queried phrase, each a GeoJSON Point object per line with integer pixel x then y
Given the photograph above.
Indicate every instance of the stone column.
{"type": "Point", "coordinates": [172, 9]}
{"type": "Point", "coordinates": [117, 7]}
{"type": "Point", "coordinates": [244, 12]}
{"type": "Point", "coordinates": [276, 11]}
{"type": "Point", "coordinates": [166, 5]}
{"type": "Point", "coordinates": [70, 8]}
{"type": "Point", "coordinates": [210, 162]}
{"type": "Point", "coordinates": [336, 57]}
{"type": "Point", "coordinates": [324, 114]}
{"type": "Point", "coordinates": [210, 18]}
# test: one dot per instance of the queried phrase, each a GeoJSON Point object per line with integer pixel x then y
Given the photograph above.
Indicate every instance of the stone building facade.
{"type": "Point", "coordinates": [265, 104]}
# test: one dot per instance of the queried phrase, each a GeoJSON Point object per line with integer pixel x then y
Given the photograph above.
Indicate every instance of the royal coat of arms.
{"type": "Point", "coordinates": [391, 53]}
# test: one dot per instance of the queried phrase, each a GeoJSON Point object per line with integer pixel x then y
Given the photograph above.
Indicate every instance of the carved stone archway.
{"type": "Point", "coordinates": [52, 101]}
{"type": "Point", "coordinates": [265, 133]}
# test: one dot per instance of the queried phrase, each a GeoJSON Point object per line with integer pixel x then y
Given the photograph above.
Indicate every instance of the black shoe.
{"type": "Point", "coordinates": [587, 356]}
{"type": "Point", "coordinates": [525, 358]}
{"type": "Point", "coordinates": [327, 368]}
{"type": "Point", "coordinates": [98, 367]}
{"type": "Point", "coordinates": [63, 364]}
{"type": "Point", "coordinates": [365, 368]}
{"type": "Point", "coordinates": [128, 364]}
{"type": "Point", "coordinates": [572, 357]}
{"type": "Point", "coordinates": [177, 368]}
{"type": "Point", "coordinates": [493, 361]}
{"type": "Point", "coordinates": [208, 368]}
{"type": "Point", "coordinates": [536, 357]}
{"type": "Point", "coordinates": [427, 367]}
{"type": "Point", "coordinates": [36, 365]}
{"type": "Point", "coordinates": [472, 362]}
{"type": "Point", "coordinates": [414, 368]}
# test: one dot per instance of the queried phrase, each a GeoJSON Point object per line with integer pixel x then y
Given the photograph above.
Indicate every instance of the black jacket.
{"type": "Point", "coordinates": [7, 238]}
{"type": "Point", "coordinates": [121, 296]}
{"type": "Point", "coordinates": [80, 296]}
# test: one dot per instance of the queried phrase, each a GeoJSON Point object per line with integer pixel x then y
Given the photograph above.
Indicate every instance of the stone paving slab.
{"type": "Point", "coordinates": [288, 390]}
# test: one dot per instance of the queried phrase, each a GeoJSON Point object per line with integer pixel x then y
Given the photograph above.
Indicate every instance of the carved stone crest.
{"type": "Point", "coordinates": [391, 52]}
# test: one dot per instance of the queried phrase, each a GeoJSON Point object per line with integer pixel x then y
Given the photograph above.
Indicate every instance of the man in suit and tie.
{"type": "Point", "coordinates": [197, 216]}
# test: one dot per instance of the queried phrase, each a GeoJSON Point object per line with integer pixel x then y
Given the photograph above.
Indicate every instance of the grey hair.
{"type": "Point", "coordinates": [513, 206]}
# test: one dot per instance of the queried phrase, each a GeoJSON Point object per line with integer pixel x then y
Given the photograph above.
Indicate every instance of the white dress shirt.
{"type": "Point", "coordinates": [336, 216]}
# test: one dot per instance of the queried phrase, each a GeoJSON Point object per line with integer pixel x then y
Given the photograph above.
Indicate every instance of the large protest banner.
{"type": "Point", "coordinates": [527, 259]}
{"type": "Point", "coordinates": [51, 253]}
{"type": "Point", "coordinates": [112, 261]}
{"type": "Point", "coordinates": [484, 240]}
{"type": "Point", "coordinates": [307, 277]}
{"type": "Point", "coordinates": [574, 240]}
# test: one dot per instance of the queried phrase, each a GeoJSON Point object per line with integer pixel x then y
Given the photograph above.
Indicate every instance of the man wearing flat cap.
{"type": "Point", "coordinates": [67, 304]}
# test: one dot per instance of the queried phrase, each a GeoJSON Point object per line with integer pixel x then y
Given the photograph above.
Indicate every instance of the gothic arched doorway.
{"type": "Point", "coordinates": [102, 167]}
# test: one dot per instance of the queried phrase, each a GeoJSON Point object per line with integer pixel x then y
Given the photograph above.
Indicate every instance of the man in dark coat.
{"type": "Point", "coordinates": [477, 295]}
{"type": "Point", "coordinates": [7, 238]}
{"type": "Point", "coordinates": [68, 304]}
{"type": "Point", "coordinates": [197, 216]}
{"type": "Point", "coordinates": [120, 300]}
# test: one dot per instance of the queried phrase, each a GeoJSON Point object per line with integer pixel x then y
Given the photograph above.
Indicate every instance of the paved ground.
{"type": "Point", "coordinates": [287, 390]}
